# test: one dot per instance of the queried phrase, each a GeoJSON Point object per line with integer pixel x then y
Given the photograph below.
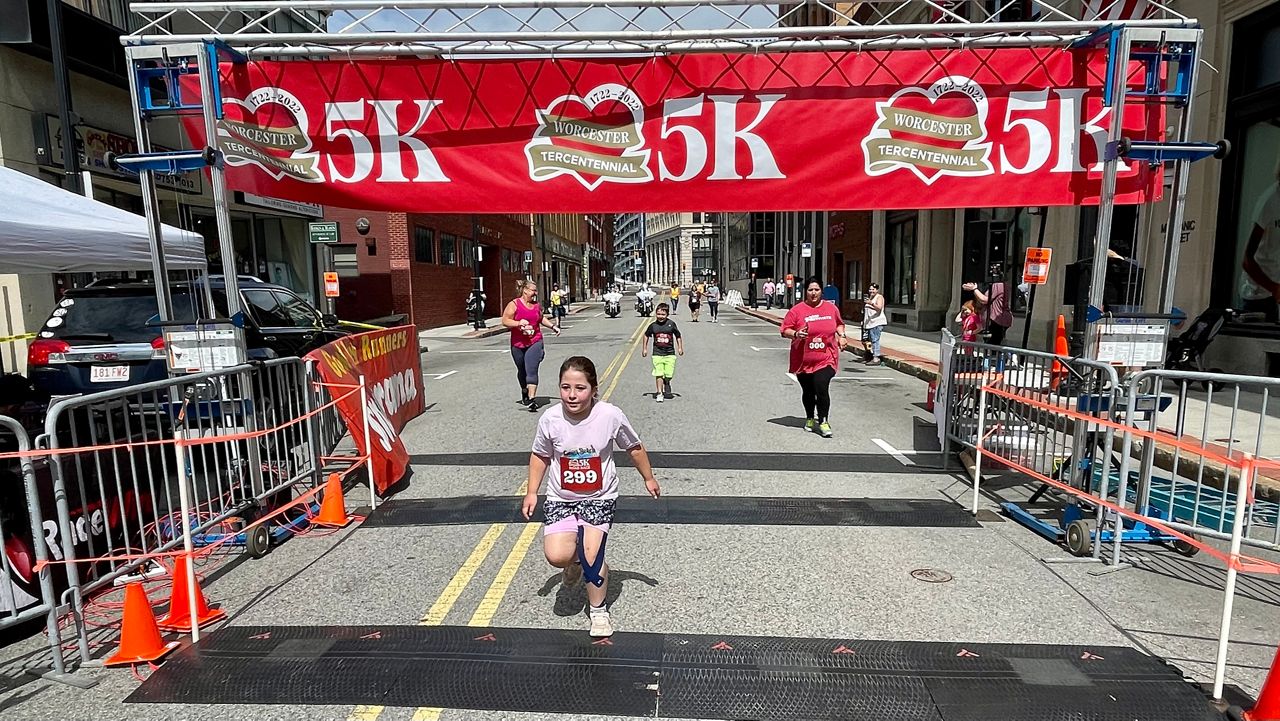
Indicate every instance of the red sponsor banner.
{"type": "Point", "coordinates": [799, 131]}
{"type": "Point", "coordinates": [389, 361]}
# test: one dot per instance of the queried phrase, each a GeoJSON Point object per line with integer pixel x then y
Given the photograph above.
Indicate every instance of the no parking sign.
{"type": "Point", "coordinates": [1036, 268]}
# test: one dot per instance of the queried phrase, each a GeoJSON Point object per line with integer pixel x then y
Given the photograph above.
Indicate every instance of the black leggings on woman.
{"type": "Point", "coordinates": [816, 391]}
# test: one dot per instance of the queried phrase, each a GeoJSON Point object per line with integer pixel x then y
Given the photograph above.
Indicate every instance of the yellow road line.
{"type": "Point", "coordinates": [628, 352]}
{"type": "Point", "coordinates": [440, 609]}
{"type": "Point", "coordinates": [435, 616]}
{"type": "Point", "coordinates": [501, 582]}
{"type": "Point", "coordinates": [484, 613]}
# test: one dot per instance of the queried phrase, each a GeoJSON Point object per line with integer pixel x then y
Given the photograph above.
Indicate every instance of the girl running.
{"type": "Point", "coordinates": [524, 317]}
{"type": "Point", "coordinates": [817, 337]}
{"type": "Point", "coordinates": [576, 440]}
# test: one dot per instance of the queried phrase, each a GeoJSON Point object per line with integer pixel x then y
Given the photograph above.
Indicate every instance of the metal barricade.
{"type": "Point", "coordinates": [1220, 420]}
{"type": "Point", "coordinates": [1020, 425]}
{"type": "Point", "coordinates": [224, 439]}
{"type": "Point", "coordinates": [23, 529]}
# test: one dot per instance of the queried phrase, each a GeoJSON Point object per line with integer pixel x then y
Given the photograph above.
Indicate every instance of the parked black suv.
{"type": "Point", "coordinates": [104, 336]}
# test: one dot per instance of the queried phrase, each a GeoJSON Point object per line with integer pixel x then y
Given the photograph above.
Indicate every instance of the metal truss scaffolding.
{"type": "Point", "coordinates": [314, 28]}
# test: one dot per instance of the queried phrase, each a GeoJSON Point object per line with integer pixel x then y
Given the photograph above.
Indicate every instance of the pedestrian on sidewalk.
{"type": "Point", "coordinates": [525, 319]}
{"type": "Point", "coordinates": [675, 297]}
{"type": "Point", "coordinates": [667, 344]}
{"type": "Point", "coordinates": [969, 323]}
{"type": "Point", "coordinates": [751, 291]}
{"type": "Point", "coordinates": [817, 336]}
{"type": "Point", "coordinates": [695, 302]}
{"type": "Point", "coordinates": [713, 300]}
{"type": "Point", "coordinates": [557, 297]}
{"type": "Point", "coordinates": [873, 323]}
{"type": "Point", "coordinates": [993, 299]}
{"type": "Point", "coordinates": [768, 293]}
{"type": "Point", "coordinates": [576, 440]}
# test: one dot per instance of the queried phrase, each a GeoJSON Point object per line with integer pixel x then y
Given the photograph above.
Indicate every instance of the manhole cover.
{"type": "Point", "coordinates": [931, 575]}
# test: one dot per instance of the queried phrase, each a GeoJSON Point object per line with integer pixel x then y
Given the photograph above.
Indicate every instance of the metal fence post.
{"type": "Point", "coordinates": [977, 461]}
{"type": "Point", "coordinates": [368, 442]}
{"type": "Point", "coordinates": [1228, 594]}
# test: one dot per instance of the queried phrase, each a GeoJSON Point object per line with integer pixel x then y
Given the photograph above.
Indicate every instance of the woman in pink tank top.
{"type": "Point", "coordinates": [524, 317]}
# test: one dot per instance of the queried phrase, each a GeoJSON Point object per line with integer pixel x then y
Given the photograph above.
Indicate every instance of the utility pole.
{"type": "Point", "coordinates": [66, 117]}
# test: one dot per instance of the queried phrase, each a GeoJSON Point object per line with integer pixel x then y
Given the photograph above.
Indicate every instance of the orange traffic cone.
{"type": "Point", "coordinates": [333, 509]}
{"type": "Point", "coordinates": [1268, 706]}
{"type": "Point", "coordinates": [140, 640]}
{"type": "Point", "coordinates": [179, 616]}
{"type": "Point", "coordinates": [1060, 348]}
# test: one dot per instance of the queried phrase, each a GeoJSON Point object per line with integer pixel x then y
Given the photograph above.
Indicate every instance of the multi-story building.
{"type": "Point", "coordinates": [628, 233]}
{"type": "Point", "coordinates": [679, 247]}
{"type": "Point", "coordinates": [270, 235]}
{"type": "Point", "coordinates": [425, 264]}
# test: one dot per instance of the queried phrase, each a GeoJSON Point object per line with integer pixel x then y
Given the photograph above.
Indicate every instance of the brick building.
{"type": "Point", "coordinates": [423, 264]}
{"type": "Point", "coordinates": [849, 258]}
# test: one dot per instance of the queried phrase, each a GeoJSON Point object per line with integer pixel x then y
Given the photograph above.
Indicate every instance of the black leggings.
{"type": "Point", "coordinates": [816, 391]}
{"type": "Point", "coordinates": [527, 362]}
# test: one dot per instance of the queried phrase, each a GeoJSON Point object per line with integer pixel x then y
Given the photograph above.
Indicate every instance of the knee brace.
{"type": "Point", "coordinates": [591, 571]}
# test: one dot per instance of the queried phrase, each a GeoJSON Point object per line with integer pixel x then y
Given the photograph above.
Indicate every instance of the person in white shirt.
{"type": "Point", "coordinates": [1260, 284]}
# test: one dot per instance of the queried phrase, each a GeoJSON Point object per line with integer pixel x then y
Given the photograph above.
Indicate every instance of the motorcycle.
{"type": "Point", "coordinates": [612, 308]}
{"type": "Point", "coordinates": [644, 306]}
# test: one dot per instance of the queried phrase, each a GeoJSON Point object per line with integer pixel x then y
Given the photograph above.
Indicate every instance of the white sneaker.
{"type": "Point", "coordinates": [600, 626]}
{"type": "Point", "coordinates": [657, 397]}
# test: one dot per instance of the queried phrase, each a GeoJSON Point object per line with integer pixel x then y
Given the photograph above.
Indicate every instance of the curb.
{"type": "Point", "coordinates": [500, 329]}
{"type": "Point", "coordinates": [901, 362]}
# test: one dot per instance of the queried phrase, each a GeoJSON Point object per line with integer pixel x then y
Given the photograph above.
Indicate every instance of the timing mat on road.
{"type": "Point", "coordinates": [692, 510]}
{"type": "Point", "coordinates": [672, 675]}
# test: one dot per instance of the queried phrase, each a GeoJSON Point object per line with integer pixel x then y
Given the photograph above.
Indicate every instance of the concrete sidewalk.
{"type": "Point", "coordinates": [493, 326]}
{"type": "Point", "coordinates": [911, 355]}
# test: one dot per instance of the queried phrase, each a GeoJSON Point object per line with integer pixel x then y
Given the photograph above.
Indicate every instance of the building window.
{"type": "Point", "coordinates": [424, 244]}
{"type": "Point", "coordinates": [448, 249]}
{"type": "Point", "coordinates": [900, 259]}
{"type": "Point", "coordinates": [345, 260]}
{"type": "Point", "coordinates": [853, 274]}
{"type": "Point", "coordinates": [697, 217]}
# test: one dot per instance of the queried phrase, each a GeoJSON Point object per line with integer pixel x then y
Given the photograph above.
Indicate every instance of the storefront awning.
{"type": "Point", "coordinates": [45, 229]}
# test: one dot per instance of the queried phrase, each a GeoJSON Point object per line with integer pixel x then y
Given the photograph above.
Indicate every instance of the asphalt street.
{"type": "Point", "coordinates": [734, 403]}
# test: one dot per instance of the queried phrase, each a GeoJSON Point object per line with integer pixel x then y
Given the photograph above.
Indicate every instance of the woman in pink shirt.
{"type": "Point", "coordinates": [816, 331]}
{"type": "Point", "coordinates": [575, 442]}
{"type": "Point", "coordinates": [525, 319]}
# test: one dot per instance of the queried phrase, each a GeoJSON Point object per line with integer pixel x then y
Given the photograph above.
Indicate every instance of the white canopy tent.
{"type": "Point", "coordinates": [45, 229]}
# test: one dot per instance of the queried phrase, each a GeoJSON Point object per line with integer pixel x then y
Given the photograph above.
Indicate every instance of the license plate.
{"type": "Point", "coordinates": [108, 374]}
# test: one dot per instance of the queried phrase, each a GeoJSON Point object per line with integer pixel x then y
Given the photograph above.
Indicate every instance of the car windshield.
{"type": "Point", "coordinates": [113, 317]}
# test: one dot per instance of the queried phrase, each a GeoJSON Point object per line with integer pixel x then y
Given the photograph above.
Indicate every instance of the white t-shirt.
{"type": "Point", "coordinates": [1267, 217]}
{"type": "Point", "coordinates": [872, 318]}
{"type": "Point", "coordinates": [579, 449]}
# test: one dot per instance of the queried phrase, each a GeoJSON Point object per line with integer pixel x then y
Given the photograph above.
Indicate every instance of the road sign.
{"type": "Point", "coordinates": [528, 256]}
{"type": "Point", "coordinates": [806, 250]}
{"type": "Point", "coordinates": [330, 284]}
{"type": "Point", "coordinates": [325, 231]}
{"type": "Point", "coordinates": [755, 263]}
{"type": "Point", "coordinates": [1036, 268]}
